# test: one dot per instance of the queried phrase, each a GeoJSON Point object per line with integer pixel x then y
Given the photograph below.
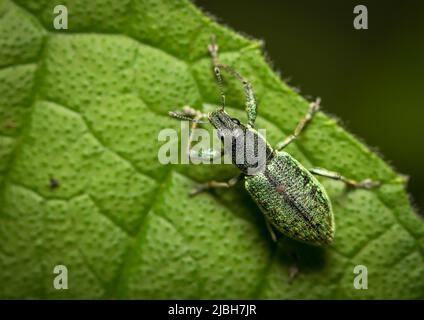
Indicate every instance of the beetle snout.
{"type": "Point", "coordinates": [219, 119]}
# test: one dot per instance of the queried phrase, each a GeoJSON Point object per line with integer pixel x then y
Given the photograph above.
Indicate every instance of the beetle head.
{"type": "Point", "coordinates": [225, 125]}
{"type": "Point", "coordinates": [246, 147]}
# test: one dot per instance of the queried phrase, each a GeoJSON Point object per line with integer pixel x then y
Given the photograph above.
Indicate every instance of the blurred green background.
{"type": "Point", "coordinates": [371, 79]}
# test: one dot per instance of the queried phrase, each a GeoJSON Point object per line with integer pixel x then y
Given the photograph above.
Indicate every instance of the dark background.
{"type": "Point", "coordinates": [371, 79]}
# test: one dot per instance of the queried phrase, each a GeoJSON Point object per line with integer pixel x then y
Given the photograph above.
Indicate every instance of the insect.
{"type": "Point", "coordinates": [292, 200]}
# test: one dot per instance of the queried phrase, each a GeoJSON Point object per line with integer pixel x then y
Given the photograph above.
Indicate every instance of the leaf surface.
{"type": "Point", "coordinates": [85, 105]}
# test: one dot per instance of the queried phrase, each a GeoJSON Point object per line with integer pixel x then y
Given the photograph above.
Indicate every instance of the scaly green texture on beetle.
{"type": "Point", "coordinates": [293, 200]}
{"type": "Point", "coordinates": [290, 197]}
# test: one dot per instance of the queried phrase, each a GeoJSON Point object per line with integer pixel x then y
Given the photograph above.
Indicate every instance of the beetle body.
{"type": "Point", "coordinates": [290, 197]}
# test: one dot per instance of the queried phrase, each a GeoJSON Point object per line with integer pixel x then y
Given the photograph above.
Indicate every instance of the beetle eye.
{"type": "Point", "coordinates": [236, 121]}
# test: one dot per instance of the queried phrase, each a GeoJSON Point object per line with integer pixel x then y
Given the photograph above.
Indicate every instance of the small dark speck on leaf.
{"type": "Point", "coordinates": [54, 183]}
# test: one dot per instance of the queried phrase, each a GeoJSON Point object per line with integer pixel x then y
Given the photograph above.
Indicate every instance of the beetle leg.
{"type": "Point", "coordinates": [294, 268]}
{"type": "Point", "coordinates": [189, 150]}
{"type": "Point", "coordinates": [195, 116]}
{"type": "Point", "coordinates": [216, 184]}
{"type": "Point", "coordinates": [188, 113]}
{"type": "Point", "coordinates": [314, 107]}
{"type": "Point", "coordinates": [205, 155]}
{"type": "Point", "coordinates": [271, 230]}
{"type": "Point", "coordinates": [365, 184]}
{"type": "Point", "coordinates": [293, 261]}
{"type": "Point", "coordinates": [251, 105]}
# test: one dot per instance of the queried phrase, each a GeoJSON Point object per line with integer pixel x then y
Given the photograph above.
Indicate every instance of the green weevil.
{"type": "Point", "coordinates": [292, 200]}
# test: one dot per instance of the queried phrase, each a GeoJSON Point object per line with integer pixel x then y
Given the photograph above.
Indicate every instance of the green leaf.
{"type": "Point", "coordinates": [85, 105]}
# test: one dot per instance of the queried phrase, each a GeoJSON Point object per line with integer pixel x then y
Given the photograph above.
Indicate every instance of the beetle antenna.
{"type": "Point", "coordinates": [213, 50]}
{"type": "Point", "coordinates": [220, 86]}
